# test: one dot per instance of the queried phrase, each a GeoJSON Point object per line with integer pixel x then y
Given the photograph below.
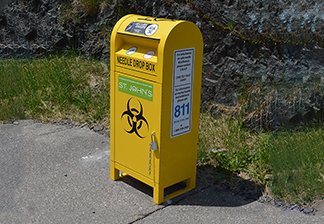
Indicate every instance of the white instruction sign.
{"type": "Point", "coordinates": [182, 91]}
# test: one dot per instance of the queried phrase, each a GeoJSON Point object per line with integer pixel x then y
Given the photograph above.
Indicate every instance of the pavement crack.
{"type": "Point", "coordinates": [189, 194]}
{"type": "Point", "coordinates": [53, 132]}
{"type": "Point", "coordinates": [148, 214]}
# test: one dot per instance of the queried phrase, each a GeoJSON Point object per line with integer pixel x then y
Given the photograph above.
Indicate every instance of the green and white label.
{"type": "Point", "coordinates": [136, 88]}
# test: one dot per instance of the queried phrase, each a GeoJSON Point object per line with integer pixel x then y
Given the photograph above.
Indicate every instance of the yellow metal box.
{"type": "Point", "coordinates": [155, 78]}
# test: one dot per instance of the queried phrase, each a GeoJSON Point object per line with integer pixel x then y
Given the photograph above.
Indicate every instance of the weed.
{"type": "Point", "coordinates": [88, 7]}
{"type": "Point", "coordinates": [289, 163]}
{"type": "Point", "coordinates": [224, 142]}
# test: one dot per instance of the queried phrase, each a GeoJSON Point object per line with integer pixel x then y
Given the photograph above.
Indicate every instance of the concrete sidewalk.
{"type": "Point", "coordinates": [60, 174]}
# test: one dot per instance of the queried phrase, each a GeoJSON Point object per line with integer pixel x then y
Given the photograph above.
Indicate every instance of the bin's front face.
{"type": "Point", "coordinates": [136, 118]}
{"type": "Point", "coordinates": [136, 102]}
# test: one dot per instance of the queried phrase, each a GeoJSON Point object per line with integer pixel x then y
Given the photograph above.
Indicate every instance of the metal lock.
{"type": "Point", "coordinates": [153, 144]}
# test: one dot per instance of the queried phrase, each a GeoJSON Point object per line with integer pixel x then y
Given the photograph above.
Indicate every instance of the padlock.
{"type": "Point", "coordinates": [153, 144]}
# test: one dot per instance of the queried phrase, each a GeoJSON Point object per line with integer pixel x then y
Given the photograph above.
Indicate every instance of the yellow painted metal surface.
{"type": "Point", "coordinates": [156, 67]}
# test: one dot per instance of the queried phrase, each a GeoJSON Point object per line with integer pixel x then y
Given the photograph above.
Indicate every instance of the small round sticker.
{"type": "Point", "coordinates": [149, 54]}
{"type": "Point", "coordinates": [151, 29]}
{"type": "Point", "coordinates": [131, 50]}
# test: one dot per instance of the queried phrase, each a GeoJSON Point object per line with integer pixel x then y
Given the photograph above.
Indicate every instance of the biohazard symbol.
{"type": "Point", "coordinates": [134, 121]}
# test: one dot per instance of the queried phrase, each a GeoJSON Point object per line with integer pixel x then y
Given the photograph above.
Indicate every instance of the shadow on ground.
{"type": "Point", "coordinates": [215, 187]}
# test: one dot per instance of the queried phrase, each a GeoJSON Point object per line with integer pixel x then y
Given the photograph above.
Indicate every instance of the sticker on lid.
{"type": "Point", "coordinates": [142, 28]}
{"type": "Point", "coordinates": [131, 50]}
{"type": "Point", "coordinates": [130, 27]}
{"type": "Point", "coordinates": [151, 29]}
{"type": "Point", "coordinates": [149, 54]}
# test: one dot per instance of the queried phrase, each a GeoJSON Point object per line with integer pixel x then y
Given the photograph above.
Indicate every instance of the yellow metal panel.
{"type": "Point", "coordinates": [137, 61]}
{"type": "Point", "coordinates": [114, 44]}
{"type": "Point", "coordinates": [136, 119]}
{"type": "Point", "coordinates": [134, 174]}
{"type": "Point", "coordinates": [181, 160]}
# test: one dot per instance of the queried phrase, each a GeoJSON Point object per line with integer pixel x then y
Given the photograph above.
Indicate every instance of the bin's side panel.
{"type": "Point", "coordinates": [115, 44]}
{"type": "Point", "coordinates": [182, 70]}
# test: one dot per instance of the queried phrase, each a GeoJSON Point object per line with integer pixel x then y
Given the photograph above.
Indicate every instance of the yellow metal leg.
{"type": "Point", "coordinates": [158, 194]}
{"type": "Point", "coordinates": [191, 183]}
{"type": "Point", "coordinates": [114, 173]}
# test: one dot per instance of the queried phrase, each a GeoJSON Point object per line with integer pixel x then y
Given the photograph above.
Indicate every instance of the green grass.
{"type": "Point", "coordinates": [53, 89]}
{"type": "Point", "coordinates": [290, 164]}
{"type": "Point", "coordinates": [297, 163]}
